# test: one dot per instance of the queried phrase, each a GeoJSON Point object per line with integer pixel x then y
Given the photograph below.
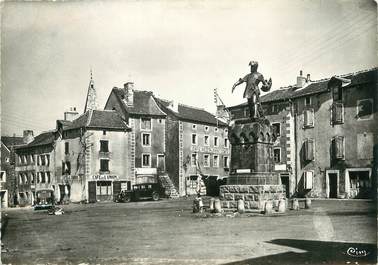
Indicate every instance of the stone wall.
{"type": "Point", "coordinates": [254, 196]}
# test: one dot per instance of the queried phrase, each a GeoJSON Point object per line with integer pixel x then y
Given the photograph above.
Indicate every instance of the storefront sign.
{"type": "Point", "coordinates": [104, 177]}
{"type": "Point", "coordinates": [208, 149]}
{"type": "Point", "coordinates": [146, 170]}
{"type": "Point", "coordinates": [281, 167]}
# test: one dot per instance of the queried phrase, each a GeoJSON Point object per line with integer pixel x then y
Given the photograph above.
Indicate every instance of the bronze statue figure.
{"type": "Point", "coordinates": [252, 90]}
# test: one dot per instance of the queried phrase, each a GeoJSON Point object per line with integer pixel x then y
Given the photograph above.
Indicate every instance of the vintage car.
{"type": "Point", "coordinates": [141, 191]}
{"type": "Point", "coordinates": [44, 199]}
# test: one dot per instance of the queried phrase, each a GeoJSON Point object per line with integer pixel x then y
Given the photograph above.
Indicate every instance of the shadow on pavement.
{"type": "Point", "coordinates": [317, 252]}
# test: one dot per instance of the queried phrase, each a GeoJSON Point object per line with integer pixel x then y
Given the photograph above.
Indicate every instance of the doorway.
{"type": "Point", "coordinates": [332, 185]}
{"type": "Point", "coordinates": [285, 182]}
{"type": "Point", "coordinates": [161, 163]}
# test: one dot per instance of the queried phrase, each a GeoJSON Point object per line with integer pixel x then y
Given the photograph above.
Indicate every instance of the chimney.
{"type": "Point", "coordinates": [301, 80]}
{"type": "Point", "coordinates": [28, 136]}
{"type": "Point", "coordinates": [71, 114]}
{"type": "Point", "coordinates": [129, 93]}
{"type": "Point", "coordinates": [173, 106]}
{"type": "Point", "coordinates": [308, 78]}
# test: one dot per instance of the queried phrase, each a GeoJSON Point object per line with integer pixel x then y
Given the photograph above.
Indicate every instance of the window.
{"type": "Point", "coordinates": [337, 113]}
{"type": "Point", "coordinates": [365, 109]}
{"type": "Point", "coordinates": [206, 128]}
{"type": "Point", "coordinates": [3, 177]}
{"type": "Point", "coordinates": [160, 120]}
{"type": "Point", "coordinates": [215, 161]}
{"type": "Point", "coordinates": [225, 131]}
{"type": "Point", "coordinates": [48, 177]}
{"type": "Point", "coordinates": [194, 138]}
{"type": "Point", "coordinates": [206, 140]}
{"type": "Point", "coordinates": [277, 155]}
{"type": "Point", "coordinates": [66, 148]}
{"type": "Point", "coordinates": [194, 160]}
{"type": "Point", "coordinates": [215, 129]}
{"type": "Point", "coordinates": [225, 142]}
{"type": "Point", "coordinates": [145, 123]}
{"type": "Point", "coordinates": [194, 126]}
{"type": "Point", "coordinates": [104, 146]}
{"type": "Point", "coordinates": [20, 178]}
{"type": "Point", "coordinates": [103, 132]}
{"type": "Point", "coordinates": [308, 148]}
{"type": "Point", "coordinates": [20, 159]}
{"type": "Point", "coordinates": [26, 178]}
{"type": "Point", "coordinates": [38, 160]}
{"type": "Point", "coordinates": [338, 147]}
{"type": "Point", "coordinates": [337, 93]}
{"type": "Point", "coordinates": [104, 165]}
{"type": "Point", "coordinates": [277, 129]}
{"type": "Point", "coordinates": [215, 141]}
{"type": "Point", "coordinates": [307, 101]}
{"type": "Point", "coordinates": [146, 139]}
{"type": "Point", "coordinates": [32, 159]}
{"type": "Point", "coordinates": [43, 177]}
{"type": "Point", "coordinates": [146, 160]}
{"type": "Point", "coordinates": [39, 177]}
{"type": "Point", "coordinates": [225, 161]}
{"type": "Point", "coordinates": [66, 168]}
{"type": "Point", "coordinates": [308, 118]}
{"type": "Point", "coordinates": [275, 108]}
{"type": "Point", "coordinates": [206, 160]}
{"type": "Point", "coordinates": [32, 178]}
{"type": "Point", "coordinates": [43, 160]}
{"type": "Point", "coordinates": [48, 160]}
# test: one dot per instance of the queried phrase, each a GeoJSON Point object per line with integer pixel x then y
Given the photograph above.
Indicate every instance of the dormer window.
{"type": "Point", "coordinates": [307, 101]}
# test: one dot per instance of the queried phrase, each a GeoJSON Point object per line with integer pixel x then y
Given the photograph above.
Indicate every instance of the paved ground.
{"type": "Point", "coordinates": [167, 232]}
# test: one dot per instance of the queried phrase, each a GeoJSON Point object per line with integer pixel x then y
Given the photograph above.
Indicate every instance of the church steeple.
{"type": "Point", "coordinates": [91, 102]}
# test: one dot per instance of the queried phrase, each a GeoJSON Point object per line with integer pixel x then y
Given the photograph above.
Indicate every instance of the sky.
{"type": "Point", "coordinates": [180, 50]}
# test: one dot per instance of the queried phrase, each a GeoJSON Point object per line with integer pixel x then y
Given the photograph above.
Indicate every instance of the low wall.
{"type": "Point", "coordinates": [254, 196]}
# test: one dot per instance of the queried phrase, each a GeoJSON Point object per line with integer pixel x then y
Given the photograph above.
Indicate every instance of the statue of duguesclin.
{"type": "Point", "coordinates": [252, 89]}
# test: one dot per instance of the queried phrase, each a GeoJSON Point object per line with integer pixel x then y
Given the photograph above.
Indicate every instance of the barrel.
{"type": "Point", "coordinates": [241, 207]}
{"type": "Point", "coordinates": [217, 206]}
{"type": "Point", "coordinates": [308, 203]}
{"type": "Point", "coordinates": [268, 207]}
{"type": "Point", "coordinates": [282, 206]}
{"type": "Point", "coordinates": [211, 205]}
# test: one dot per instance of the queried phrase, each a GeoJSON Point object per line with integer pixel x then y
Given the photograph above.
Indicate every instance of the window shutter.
{"type": "Point", "coordinates": [337, 113]}
{"type": "Point", "coordinates": [339, 147]}
{"type": "Point", "coordinates": [309, 117]}
{"type": "Point", "coordinates": [309, 149]}
{"type": "Point", "coordinates": [308, 179]}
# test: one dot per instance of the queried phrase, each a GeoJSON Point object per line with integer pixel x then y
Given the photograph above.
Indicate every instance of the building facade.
{"type": "Point", "coordinates": [327, 135]}
{"type": "Point", "coordinates": [197, 144]}
{"type": "Point", "coordinates": [147, 138]}
{"type": "Point", "coordinates": [8, 185]}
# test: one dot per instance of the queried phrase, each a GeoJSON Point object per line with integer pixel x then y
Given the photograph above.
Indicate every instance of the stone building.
{"type": "Point", "coordinates": [35, 167]}
{"type": "Point", "coordinates": [93, 157]}
{"type": "Point", "coordinates": [328, 134]}
{"type": "Point", "coordinates": [147, 138]}
{"type": "Point", "coordinates": [196, 143]}
{"type": "Point", "coordinates": [8, 183]}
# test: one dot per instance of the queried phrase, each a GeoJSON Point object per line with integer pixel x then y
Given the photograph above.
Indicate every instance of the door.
{"type": "Point", "coordinates": [116, 188]}
{"type": "Point", "coordinates": [285, 182]}
{"type": "Point", "coordinates": [160, 163]}
{"type": "Point", "coordinates": [332, 185]}
{"type": "Point", "coordinates": [92, 191]}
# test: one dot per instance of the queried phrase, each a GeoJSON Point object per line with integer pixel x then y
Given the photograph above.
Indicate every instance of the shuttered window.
{"type": "Point", "coordinates": [308, 118]}
{"type": "Point", "coordinates": [309, 150]}
{"type": "Point", "coordinates": [337, 113]}
{"type": "Point", "coordinates": [338, 149]}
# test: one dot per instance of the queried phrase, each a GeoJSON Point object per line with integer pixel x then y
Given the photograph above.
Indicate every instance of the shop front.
{"type": "Point", "coordinates": [106, 187]}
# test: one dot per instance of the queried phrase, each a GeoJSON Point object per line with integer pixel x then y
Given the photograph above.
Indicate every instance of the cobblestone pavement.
{"type": "Point", "coordinates": [167, 232]}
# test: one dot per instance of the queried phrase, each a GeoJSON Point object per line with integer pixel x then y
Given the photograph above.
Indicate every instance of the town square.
{"type": "Point", "coordinates": [137, 132]}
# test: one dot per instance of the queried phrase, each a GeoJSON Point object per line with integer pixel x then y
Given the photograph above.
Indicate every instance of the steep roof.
{"type": "Point", "coordinates": [144, 103]}
{"type": "Point", "coordinates": [190, 113]}
{"type": "Point", "coordinates": [10, 141]}
{"type": "Point", "coordinates": [315, 87]}
{"type": "Point", "coordinates": [105, 119]}
{"type": "Point", "coordinates": [45, 138]}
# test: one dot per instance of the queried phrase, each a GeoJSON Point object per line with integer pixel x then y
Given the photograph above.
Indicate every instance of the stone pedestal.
{"type": "Point", "coordinates": [251, 171]}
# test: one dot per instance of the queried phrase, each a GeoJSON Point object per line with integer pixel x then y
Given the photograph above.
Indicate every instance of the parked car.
{"type": "Point", "coordinates": [141, 191]}
{"type": "Point", "coordinates": [44, 199]}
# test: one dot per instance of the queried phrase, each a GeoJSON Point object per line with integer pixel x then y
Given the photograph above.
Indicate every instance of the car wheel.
{"type": "Point", "coordinates": [155, 196]}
